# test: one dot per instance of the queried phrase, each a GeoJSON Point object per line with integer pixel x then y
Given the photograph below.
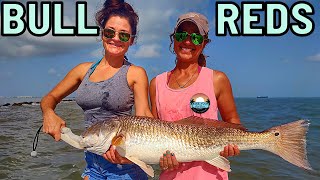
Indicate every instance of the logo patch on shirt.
{"type": "Point", "coordinates": [200, 103]}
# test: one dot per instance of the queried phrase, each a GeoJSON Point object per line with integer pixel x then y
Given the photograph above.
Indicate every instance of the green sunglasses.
{"type": "Point", "coordinates": [196, 38]}
{"type": "Point", "coordinates": [110, 33]}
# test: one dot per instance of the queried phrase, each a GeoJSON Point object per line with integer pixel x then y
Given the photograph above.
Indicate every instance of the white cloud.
{"type": "Point", "coordinates": [212, 24]}
{"type": "Point", "coordinates": [157, 19]}
{"type": "Point", "coordinates": [148, 51]}
{"type": "Point", "coordinates": [98, 53]}
{"type": "Point", "coordinates": [286, 61]}
{"type": "Point", "coordinates": [155, 70]}
{"type": "Point", "coordinates": [28, 45]}
{"type": "Point", "coordinates": [52, 71]}
{"type": "Point", "coordinates": [6, 75]}
{"type": "Point", "coordinates": [314, 58]}
{"type": "Point", "coordinates": [154, 25]}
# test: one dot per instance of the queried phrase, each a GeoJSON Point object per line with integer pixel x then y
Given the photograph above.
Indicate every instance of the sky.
{"type": "Point", "coordinates": [282, 66]}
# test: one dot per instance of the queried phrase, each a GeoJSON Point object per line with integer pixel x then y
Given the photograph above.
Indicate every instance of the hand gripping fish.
{"type": "Point", "coordinates": [143, 140]}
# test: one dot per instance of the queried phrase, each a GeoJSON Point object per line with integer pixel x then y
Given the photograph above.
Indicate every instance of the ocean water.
{"type": "Point", "coordinates": [57, 160]}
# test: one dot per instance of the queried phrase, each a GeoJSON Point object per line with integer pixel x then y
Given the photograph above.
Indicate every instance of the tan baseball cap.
{"type": "Point", "coordinates": [198, 19]}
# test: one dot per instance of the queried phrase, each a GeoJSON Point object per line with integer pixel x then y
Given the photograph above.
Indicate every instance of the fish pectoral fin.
{"type": "Point", "coordinates": [145, 167]}
{"type": "Point", "coordinates": [121, 151]}
{"type": "Point", "coordinates": [220, 162]}
{"type": "Point", "coordinates": [70, 138]}
{"type": "Point", "coordinates": [118, 140]}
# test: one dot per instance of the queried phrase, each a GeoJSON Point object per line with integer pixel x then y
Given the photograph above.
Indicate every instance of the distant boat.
{"type": "Point", "coordinates": [262, 97]}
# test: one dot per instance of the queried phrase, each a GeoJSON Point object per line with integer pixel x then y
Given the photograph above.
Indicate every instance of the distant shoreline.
{"type": "Point", "coordinates": [29, 97]}
{"type": "Point", "coordinates": [24, 100]}
{"type": "Point", "coordinates": [30, 100]}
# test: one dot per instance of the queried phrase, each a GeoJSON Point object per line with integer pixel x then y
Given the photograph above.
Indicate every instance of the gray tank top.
{"type": "Point", "coordinates": [105, 99]}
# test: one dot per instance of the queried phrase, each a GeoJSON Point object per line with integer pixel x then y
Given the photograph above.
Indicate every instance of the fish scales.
{"type": "Point", "coordinates": [195, 136]}
{"type": "Point", "coordinates": [177, 137]}
{"type": "Point", "coordinates": [144, 140]}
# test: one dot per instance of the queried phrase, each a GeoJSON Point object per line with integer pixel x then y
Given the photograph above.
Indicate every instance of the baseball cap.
{"type": "Point", "coordinates": [198, 19]}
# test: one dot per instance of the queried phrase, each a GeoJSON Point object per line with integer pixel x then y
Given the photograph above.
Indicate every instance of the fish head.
{"type": "Point", "coordinates": [98, 138]}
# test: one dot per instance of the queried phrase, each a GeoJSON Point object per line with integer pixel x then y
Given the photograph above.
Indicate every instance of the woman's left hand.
{"type": "Point", "coordinates": [230, 150]}
{"type": "Point", "coordinates": [114, 157]}
{"type": "Point", "coordinates": [168, 162]}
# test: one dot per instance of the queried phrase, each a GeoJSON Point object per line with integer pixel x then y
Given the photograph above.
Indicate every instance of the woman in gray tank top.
{"type": "Point", "coordinates": [107, 88]}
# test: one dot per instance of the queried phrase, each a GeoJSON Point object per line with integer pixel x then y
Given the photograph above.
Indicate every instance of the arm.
{"type": "Point", "coordinates": [138, 77]}
{"type": "Point", "coordinates": [51, 122]}
{"type": "Point", "coordinates": [138, 81]}
{"type": "Point", "coordinates": [225, 100]}
{"type": "Point", "coordinates": [153, 98]}
{"type": "Point", "coordinates": [226, 106]}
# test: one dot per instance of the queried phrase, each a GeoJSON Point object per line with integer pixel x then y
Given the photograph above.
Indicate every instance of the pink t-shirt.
{"type": "Point", "coordinates": [173, 105]}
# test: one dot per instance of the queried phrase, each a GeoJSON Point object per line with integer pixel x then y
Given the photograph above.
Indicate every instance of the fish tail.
{"type": "Point", "coordinates": [290, 142]}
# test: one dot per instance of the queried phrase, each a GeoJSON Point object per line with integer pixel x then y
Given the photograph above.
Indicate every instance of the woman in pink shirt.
{"type": "Point", "coordinates": [172, 91]}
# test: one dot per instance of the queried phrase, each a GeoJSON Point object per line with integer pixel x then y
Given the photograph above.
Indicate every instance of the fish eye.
{"type": "Point", "coordinates": [276, 134]}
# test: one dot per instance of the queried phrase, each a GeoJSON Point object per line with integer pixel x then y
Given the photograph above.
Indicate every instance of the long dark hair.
{"type": "Point", "coordinates": [117, 8]}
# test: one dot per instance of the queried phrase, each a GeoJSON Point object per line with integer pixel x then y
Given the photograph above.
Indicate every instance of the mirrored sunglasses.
{"type": "Point", "coordinates": [110, 33]}
{"type": "Point", "coordinates": [196, 38]}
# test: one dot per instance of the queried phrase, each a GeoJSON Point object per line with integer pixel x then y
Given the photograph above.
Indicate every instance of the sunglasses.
{"type": "Point", "coordinates": [110, 33]}
{"type": "Point", "coordinates": [196, 38]}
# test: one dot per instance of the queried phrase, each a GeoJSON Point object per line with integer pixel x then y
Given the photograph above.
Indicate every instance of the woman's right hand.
{"type": "Point", "coordinates": [52, 124]}
{"type": "Point", "coordinates": [114, 157]}
{"type": "Point", "coordinates": [168, 161]}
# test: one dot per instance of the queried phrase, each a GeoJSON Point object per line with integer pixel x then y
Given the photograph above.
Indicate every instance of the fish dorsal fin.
{"type": "Point", "coordinates": [220, 162]}
{"type": "Point", "coordinates": [194, 120]}
{"type": "Point", "coordinates": [145, 167]}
